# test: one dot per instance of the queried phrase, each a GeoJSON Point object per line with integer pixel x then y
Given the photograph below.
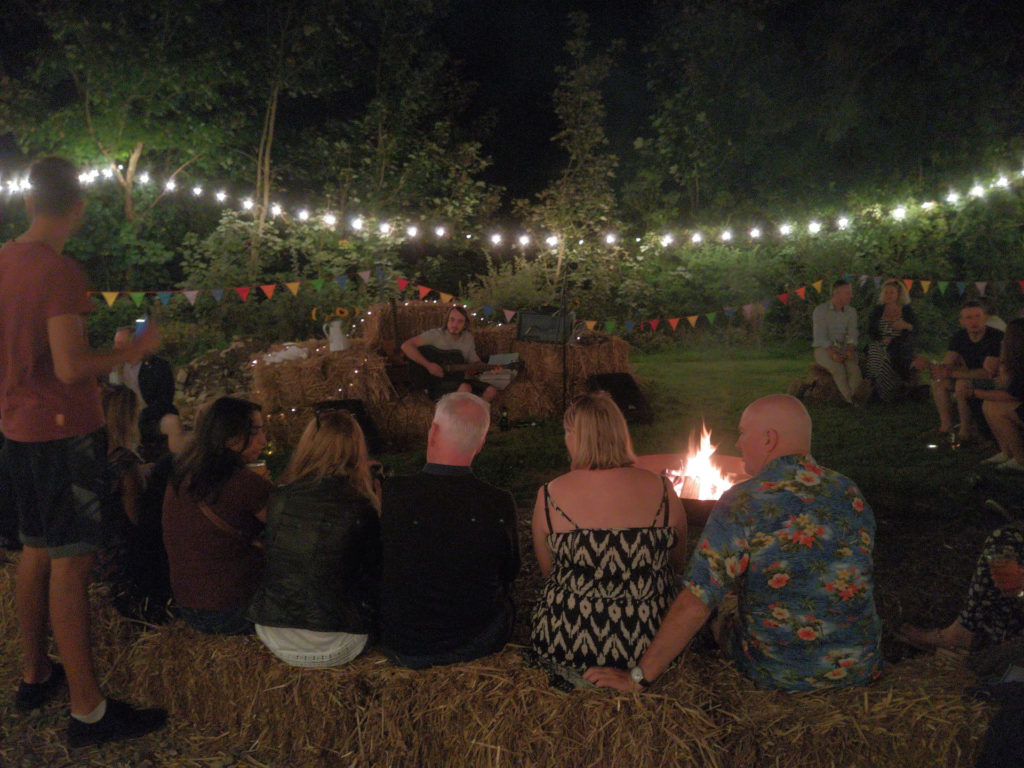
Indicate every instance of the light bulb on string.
{"type": "Point", "coordinates": [727, 236]}
{"type": "Point", "coordinates": [330, 219]}
{"type": "Point", "coordinates": [221, 196]}
{"type": "Point", "coordinates": [697, 238]}
{"type": "Point", "coordinates": [899, 213]}
{"type": "Point", "coordinates": [303, 215]}
{"type": "Point", "coordinates": [275, 210]}
{"type": "Point", "coordinates": [247, 204]}
{"type": "Point", "coordinates": [843, 222]}
{"type": "Point", "coordinates": [171, 185]}
{"type": "Point", "coordinates": [440, 231]}
{"type": "Point", "coordinates": [610, 238]}
{"type": "Point", "coordinates": [786, 229]}
{"type": "Point", "coordinates": [755, 233]}
{"type": "Point", "coordinates": [551, 241]}
{"type": "Point", "coordinates": [108, 173]}
{"type": "Point", "coordinates": [384, 228]}
{"type": "Point", "coordinates": [496, 239]}
{"type": "Point", "coordinates": [977, 191]}
{"type": "Point", "coordinates": [143, 178]}
{"type": "Point", "coordinates": [357, 223]}
{"type": "Point", "coordinates": [667, 240]}
{"type": "Point", "coordinates": [814, 227]}
{"type": "Point", "coordinates": [1002, 182]}
{"type": "Point", "coordinates": [197, 190]}
{"type": "Point", "coordinates": [524, 240]}
{"type": "Point", "coordinates": [927, 205]}
{"type": "Point", "coordinates": [412, 231]}
{"type": "Point", "coordinates": [952, 198]}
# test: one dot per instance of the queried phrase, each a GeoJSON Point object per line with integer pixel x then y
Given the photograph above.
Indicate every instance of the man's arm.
{"type": "Point", "coordinates": [820, 332]}
{"type": "Point", "coordinates": [411, 349]}
{"type": "Point", "coordinates": [74, 360]}
{"type": "Point", "coordinates": [686, 615]}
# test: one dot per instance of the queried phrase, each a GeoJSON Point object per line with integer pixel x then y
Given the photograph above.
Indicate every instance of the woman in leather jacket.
{"type": "Point", "coordinates": [316, 604]}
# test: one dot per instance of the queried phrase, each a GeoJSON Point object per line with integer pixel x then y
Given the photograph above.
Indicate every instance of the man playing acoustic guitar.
{"type": "Point", "coordinates": [454, 336]}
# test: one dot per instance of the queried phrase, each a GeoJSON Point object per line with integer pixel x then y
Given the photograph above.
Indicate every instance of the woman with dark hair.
{"type": "Point", "coordinates": [317, 602]}
{"type": "Point", "coordinates": [160, 429]}
{"type": "Point", "coordinates": [1004, 406]}
{"type": "Point", "coordinates": [607, 536]}
{"type": "Point", "coordinates": [891, 333]}
{"type": "Point", "coordinates": [213, 511]}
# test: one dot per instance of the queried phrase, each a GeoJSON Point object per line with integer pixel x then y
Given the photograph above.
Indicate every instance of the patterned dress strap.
{"type": "Point", "coordinates": [548, 503]}
{"type": "Point", "coordinates": [663, 506]}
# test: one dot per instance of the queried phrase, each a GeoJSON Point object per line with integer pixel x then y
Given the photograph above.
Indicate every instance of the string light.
{"type": "Point", "coordinates": [439, 231]}
{"type": "Point", "coordinates": [899, 213]}
{"type": "Point", "coordinates": [552, 241]}
{"type": "Point", "coordinates": [221, 196]}
{"type": "Point", "coordinates": [170, 186]}
{"type": "Point", "coordinates": [275, 210]}
{"type": "Point", "coordinates": [697, 238]}
{"type": "Point", "coordinates": [412, 230]}
{"type": "Point", "coordinates": [786, 229]}
{"type": "Point", "coordinates": [357, 223]}
{"type": "Point", "coordinates": [928, 205]}
{"type": "Point", "coordinates": [610, 238]}
{"type": "Point", "coordinates": [303, 215]}
{"type": "Point", "coordinates": [727, 236]}
{"type": "Point", "coordinates": [330, 220]}
{"type": "Point", "coordinates": [524, 240]}
{"type": "Point", "coordinates": [667, 240]}
{"type": "Point", "coordinates": [843, 222]}
{"type": "Point", "coordinates": [247, 204]}
{"type": "Point", "coordinates": [952, 198]}
{"type": "Point", "coordinates": [977, 191]}
{"type": "Point", "coordinates": [814, 227]}
{"type": "Point", "coordinates": [197, 191]}
{"type": "Point", "coordinates": [108, 173]}
{"type": "Point", "coordinates": [755, 233]}
{"type": "Point", "coordinates": [143, 178]}
{"type": "Point", "coordinates": [385, 228]}
{"type": "Point", "coordinates": [1002, 182]}
{"type": "Point", "coordinates": [496, 239]}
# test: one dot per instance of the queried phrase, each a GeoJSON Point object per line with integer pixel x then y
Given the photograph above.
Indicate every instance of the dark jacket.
{"type": "Point", "coordinates": [901, 348]}
{"type": "Point", "coordinates": [322, 545]}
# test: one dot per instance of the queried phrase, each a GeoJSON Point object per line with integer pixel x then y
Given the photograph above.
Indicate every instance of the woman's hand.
{"type": "Point", "coordinates": [608, 677]}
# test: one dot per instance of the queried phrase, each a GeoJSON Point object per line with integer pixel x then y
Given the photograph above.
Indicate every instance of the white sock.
{"type": "Point", "coordinates": [95, 716]}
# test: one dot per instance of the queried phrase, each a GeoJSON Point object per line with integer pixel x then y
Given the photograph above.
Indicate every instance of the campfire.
{"type": "Point", "coordinates": [699, 476]}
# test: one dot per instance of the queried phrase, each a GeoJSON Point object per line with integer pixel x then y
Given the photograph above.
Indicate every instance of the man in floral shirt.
{"type": "Point", "coordinates": [793, 544]}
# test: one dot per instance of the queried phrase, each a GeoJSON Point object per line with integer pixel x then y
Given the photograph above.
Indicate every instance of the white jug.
{"type": "Point", "coordinates": [337, 341]}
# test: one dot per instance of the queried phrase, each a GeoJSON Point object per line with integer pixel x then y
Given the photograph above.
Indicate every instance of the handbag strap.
{"type": "Point", "coordinates": [219, 523]}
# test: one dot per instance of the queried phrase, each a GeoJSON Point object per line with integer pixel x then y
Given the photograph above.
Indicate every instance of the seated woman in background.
{"type": "Point", "coordinates": [607, 536]}
{"type": "Point", "coordinates": [891, 334]}
{"type": "Point", "coordinates": [127, 483]}
{"type": "Point", "coordinates": [213, 511]}
{"type": "Point", "coordinates": [1004, 407]}
{"type": "Point", "coordinates": [994, 611]}
{"type": "Point", "coordinates": [316, 604]}
{"type": "Point", "coordinates": [160, 429]}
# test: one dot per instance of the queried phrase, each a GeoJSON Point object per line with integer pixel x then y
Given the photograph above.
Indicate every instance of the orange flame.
{"type": "Point", "coordinates": [698, 477]}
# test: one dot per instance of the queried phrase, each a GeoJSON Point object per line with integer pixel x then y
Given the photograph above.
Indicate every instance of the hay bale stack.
{"type": "Point", "coordinates": [231, 695]}
{"type": "Point", "coordinates": [493, 339]}
{"type": "Point", "coordinates": [414, 317]}
{"type": "Point", "coordinates": [406, 421]}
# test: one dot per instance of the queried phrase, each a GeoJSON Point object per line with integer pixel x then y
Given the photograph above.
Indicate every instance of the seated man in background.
{"type": "Point", "coordinates": [835, 340]}
{"type": "Point", "coordinates": [971, 363]}
{"type": "Point", "coordinates": [454, 335]}
{"type": "Point", "coordinates": [450, 549]}
{"type": "Point", "coordinates": [792, 546]}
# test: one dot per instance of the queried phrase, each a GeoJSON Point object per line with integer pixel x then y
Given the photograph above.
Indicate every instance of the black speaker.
{"type": "Point", "coordinates": [357, 409]}
{"type": "Point", "coordinates": [546, 324]}
{"type": "Point", "coordinates": [625, 393]}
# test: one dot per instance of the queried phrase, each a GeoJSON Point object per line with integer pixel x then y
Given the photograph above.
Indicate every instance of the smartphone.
{"type": "Point", "coordinates": [140, 326]}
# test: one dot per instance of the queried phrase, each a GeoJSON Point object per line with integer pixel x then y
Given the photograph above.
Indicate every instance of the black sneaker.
{"type": "Point", "coordinates": [120, 721]}
{"type": "Point", "coordinates": [33, 695]}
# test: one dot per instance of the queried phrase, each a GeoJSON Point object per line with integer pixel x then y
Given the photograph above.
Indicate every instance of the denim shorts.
{"type": "Point", "coordinates": [62, 492]}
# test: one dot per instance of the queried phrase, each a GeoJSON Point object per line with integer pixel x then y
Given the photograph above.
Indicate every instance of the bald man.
{"type": "Point", "coordinates": [791, 547]}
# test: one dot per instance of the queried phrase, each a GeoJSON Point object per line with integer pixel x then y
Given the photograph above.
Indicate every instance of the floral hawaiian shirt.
{"type": "Point", "coordinates": [794, 544]}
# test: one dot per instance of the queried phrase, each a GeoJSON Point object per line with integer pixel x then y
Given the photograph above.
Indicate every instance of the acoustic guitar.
{"type": "Point", "coordinates": [456, 371]}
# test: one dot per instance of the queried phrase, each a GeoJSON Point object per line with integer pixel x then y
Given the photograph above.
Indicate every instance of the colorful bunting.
{"type": "Point", "coordinates": [654, 324]}
{"type": "Point", "coordinates": [610, 326]}
{"type": "Point", "coordinates": [111, 297]}
{"type": "Point", "coordinates": [423, 291]}
{"type": "Point", "coordinates": [961, 287]}
{"type": "Point", "coordinates": [165, 297]}
{"type": "Point", "coordinates": [673, 322]}
{"type": "Point", "coordinates": [365, 275]}
{"type": "Point", "coordinates": [269, 289]}
{"type": "Point", "coordinates": [509, 314]}
{"type": "Point", "coordinates": [943, 285]}
{"type": "Point", "coordinates": [217, 293]}
{"type": "Point", "coordinates": [293, 287]}
{"type": "Point", "coordinates": [784, 298]}
{"type": "Point", "coordinates": [630, 325]}
{"type": "Point", "coordinates": [591, 324]}
{"type": "Point", "coordinates": [243, 292]}
{"type": "Point", "coordinates": [925, 285]}
{"type": "Point", "coordinates": [729, 312]}
{"type": "Point", "coordinates": [802, 292]}
{"type": "Point", "coordinates": [402, 283]}
{"type": "Point", "coordinates": [137, 297]}
{"type": "Point", "coordinates": [909, 283]}
{"type": "Point", "coordinates": [342, 281]}
{"type": "Point", "coordinates": [692, 320]}
{"type": "Point", "coordinates": [445, 297]}
{"type": "Point", "coordinates": [981, 287]}
{"type": "Point", "coordinates": [817, 285]}
{"type": "Point", "coordinates": [711, 317]}
{"type": "Point", "coordinates": [1021, 284]}
{"type": "Point", "coordinates": [191, 296]}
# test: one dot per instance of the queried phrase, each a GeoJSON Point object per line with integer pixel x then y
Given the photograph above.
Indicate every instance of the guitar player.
{"type": "Point", "coordinates": [454, 335]}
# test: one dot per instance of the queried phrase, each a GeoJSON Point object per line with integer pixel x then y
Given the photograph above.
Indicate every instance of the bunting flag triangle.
{"type": "Point", "coordinates": [711, 317]}
{"type": "Point", "coordinates": [365, 275]}
{"type": "Point", "coordinates": [402, 283]}
{"type": "Point", "coordinates": [802, 291]}
{"type": "Point", "coordinates": [981, 285]}
{"type": "Point", "coordinates": [630, 325]}
{"type": "Point", "coordinates": [591, 324]}
{"type": "Point", "coordinates": [729, 312]}
{"type": "Point", "coordinates": [748, 310]}
{"type": "Point", "coordinates": [878, 281]}
{"type": "Point", "coordinates": [766, 303]}
{"type": "Point", "coordinates": [488, 310]}
{"type": "Point", "coordinates": [961, 287]}
{"type": "Point", "coordinates": [509, 314]}
{"type": "Point", "coordinates": [423, 291]}
{"type": "Point", "coordinates": [137, 297]}
{"type": "Point", "coordinates": [673, 322]}
{"type": "Point", "coordinates": [1021, 284]}
{"type": "Point", "coordinates": [610, 326]}
{"type": "Point", "coordinates": [293, 287]}
{"type": "Point", "coordinates": [342, 281]}
{"type": "Point", "coordinates": [191, 296]}
{"type": "Point", "coordinates": [217, 293]}
{"type": "Point", "coordinates": [243, 292]}
{"type": "Point", "coordinates": [784, 298]}
{"type": "Point", "coordinates": [165, 297]}
{"type": "Point", "coordinates": [445, 297]}
{"type": "Point", "coordinates": [925, 285]}
{"type": "Point", "coordinates": [110, 297]}
{"type": "Point", "coordinates": [863, 279]}
{"type": "Point", "coordinates": [380, 274]}
{"type": "Point", "coordinates": [943, 285]}
{"type": "Point", "coordinates": [654, 324]}
{"type": "Point", "coordinates": [269, 289]}
{"type": "Point", "coordinates": [817, 285]}
{"type": "Point", "coordinates": [692, 320]}
{"type": "Point", "coordinates": [909, 283]}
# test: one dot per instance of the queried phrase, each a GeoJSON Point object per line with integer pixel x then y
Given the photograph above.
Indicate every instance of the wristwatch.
{"type": "Point", "coordinates": [637, 676]}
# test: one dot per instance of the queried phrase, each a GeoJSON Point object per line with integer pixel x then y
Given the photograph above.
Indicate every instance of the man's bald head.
{"type": "Point", "coordinates": [773, 426]}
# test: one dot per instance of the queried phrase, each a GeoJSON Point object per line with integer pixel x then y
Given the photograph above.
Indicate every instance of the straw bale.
{"type": "Point", "coordinates": [493, 339]}
{"type": "Point", "coordinates": [231, 695]}
{"type": "Point", "coordinates": [414, 317]}
{"type": "Point", "coordinates": [404, 422]}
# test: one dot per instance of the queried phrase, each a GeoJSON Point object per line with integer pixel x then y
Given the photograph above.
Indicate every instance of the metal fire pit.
{"type": "Point", "coordinates": [697, 510]}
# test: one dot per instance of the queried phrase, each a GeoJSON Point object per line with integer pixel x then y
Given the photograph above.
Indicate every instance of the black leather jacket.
{"type": "Point", "coordinates": [322, 546]}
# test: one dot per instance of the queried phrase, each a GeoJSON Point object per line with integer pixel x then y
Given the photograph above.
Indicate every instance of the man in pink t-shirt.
{"type": "Point", "coordinates": [55, 449]}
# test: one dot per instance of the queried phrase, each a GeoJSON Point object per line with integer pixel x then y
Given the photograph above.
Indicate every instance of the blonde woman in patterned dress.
{"type": "Point", "coordinates": [607, 536]}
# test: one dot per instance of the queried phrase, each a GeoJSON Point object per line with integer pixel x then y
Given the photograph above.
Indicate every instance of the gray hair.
{"type": "Point", "coordinates": [464, 420]}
